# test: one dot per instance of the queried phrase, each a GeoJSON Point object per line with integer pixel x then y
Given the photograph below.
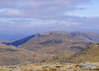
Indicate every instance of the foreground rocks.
{"type": "Point", "coordinates": [53, 67]}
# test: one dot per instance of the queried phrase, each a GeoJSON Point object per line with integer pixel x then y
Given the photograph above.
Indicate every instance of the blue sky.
{"type": "Point", "coordinates": [20, 18]}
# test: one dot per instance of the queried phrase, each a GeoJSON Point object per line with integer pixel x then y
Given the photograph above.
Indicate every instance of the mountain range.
{"type": "Point", "coordinates": [56, 46]}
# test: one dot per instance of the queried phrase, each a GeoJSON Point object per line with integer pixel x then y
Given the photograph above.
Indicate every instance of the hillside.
{"type": "Point", "coordinates": [57, 38]}
{"type": "Point", "coordinates": [57, 46]}
{"type": "Point", "coordinates": [10, 55]}
{"type": "Point", "coordinates": [91, 54]}
{"type": "Point", "coordinates": [57, 43]}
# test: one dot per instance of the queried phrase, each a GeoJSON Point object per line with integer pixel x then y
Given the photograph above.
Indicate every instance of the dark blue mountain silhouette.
{"type": "Point", "coordinates": [21, 41]}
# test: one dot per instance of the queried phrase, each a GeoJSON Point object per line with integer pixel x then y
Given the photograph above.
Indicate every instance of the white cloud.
{"type": "Point", "coordinates": [11, 12]}
{"type": "Point", "coordinates": [44, 9]}
{"type": "Point", "coordinates": [19, 16]}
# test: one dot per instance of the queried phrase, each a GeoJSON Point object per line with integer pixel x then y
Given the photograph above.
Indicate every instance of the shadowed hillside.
{"type": "Point", "coordinates": [20, 41]}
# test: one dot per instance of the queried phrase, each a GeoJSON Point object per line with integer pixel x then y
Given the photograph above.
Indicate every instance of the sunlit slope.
{"type": "Point", "coordinates": [91, 54]}
{"type": "Point", "coordinates": [10, 55]}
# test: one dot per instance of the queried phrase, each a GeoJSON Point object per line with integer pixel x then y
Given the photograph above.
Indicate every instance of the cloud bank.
{"type": "Point", "coordinates": [28, 16]}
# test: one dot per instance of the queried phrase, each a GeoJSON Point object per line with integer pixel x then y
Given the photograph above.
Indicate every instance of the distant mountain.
{"type": "Point", "coordinates": [88, 36]}
{"type": "Point", "coordinates": [48, 47]}
{"type": "Point", "coordinates": [93, 37]}
{"type": "Point", "coordinates": [57, 42]}
{"type": "Point", "coordinates": [20, 41]}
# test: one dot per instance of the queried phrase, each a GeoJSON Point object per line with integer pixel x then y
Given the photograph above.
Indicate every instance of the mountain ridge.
{"type": "Point", "coordinates": [92, 37]}
{"type": "Point", "coordinates": [54, 46]}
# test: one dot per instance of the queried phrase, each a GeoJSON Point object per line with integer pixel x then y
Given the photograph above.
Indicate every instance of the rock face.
{"type": "Point", "coordinates": [88, 65]}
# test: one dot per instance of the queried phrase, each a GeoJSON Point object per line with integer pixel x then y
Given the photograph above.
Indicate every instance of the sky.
{"type": "Point", "coordinates": [19, 18]}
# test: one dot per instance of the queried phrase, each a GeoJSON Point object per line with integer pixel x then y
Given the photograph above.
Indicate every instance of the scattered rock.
{"type": "Point", "coordinates": [88, 65]}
